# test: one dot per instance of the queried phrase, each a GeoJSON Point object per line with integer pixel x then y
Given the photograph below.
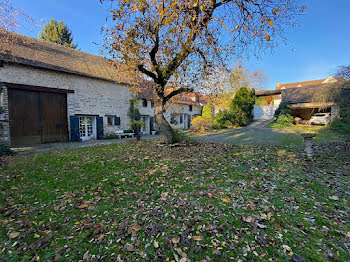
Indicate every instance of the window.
{"type": "Point", "coordinates": [152, 103]}
{"type": "Point", "coordinates": [181, 119]}
{"type": "Point", "coordinates": [173, 119]}
{"type": "Point", "coordinates": [110, 120]}
{"type": "Point", "coordinates": [113, 120]}
{"type": "Point", "coordinates": [190, 108]}
{"type": "Point", "coordinates": [144, 102]}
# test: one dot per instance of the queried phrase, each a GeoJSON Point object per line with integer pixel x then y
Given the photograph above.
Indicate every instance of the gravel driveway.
{"type": "Point", "coordinates": [256, 133]}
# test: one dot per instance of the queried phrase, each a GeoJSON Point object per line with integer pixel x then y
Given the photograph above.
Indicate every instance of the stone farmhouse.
{"type": "Point", "coordinates": [181, 109]}
{"type": "Point", "coordinates": [51, 93]}
{"type": "Point", "coordinates": [300, 95]}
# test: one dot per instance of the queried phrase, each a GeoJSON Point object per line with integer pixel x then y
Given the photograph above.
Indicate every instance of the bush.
{"type": "Point", "coordinates": [200, 124]}
{"type": "Point", "coordinates": [111, 136]}
{"type": "Point", "coordinates": [5, 150]}
{"type": "Point", "coordinates": [283, 116]}
{"type": "Point", "coordinates": [207, 112]}
{"type": "Point", "coordinates": [244, 100]}
{"type": "Point", "coordinates": [283, 108]}
{"type": "Point", "coordinates": [284, 120]}
{"type": "Point", "coordinates": [232, 117]}
{"type": "Point", "coordinates": [341, 126]}
{"type": "Point", "coordinates": [181, 136]}
{"type": "Point", "coordinates": [240, 113]}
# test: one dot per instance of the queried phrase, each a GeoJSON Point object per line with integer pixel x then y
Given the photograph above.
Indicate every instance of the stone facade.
{"type": "Point", "coordinates": [181, 112]}
{"type": "Point", "coordinates": [4, 123]}
{"type": "Point", "coordinates": [91, 96]}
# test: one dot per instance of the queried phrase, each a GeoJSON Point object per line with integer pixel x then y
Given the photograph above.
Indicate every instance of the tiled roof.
{"type": "Point", "coordinates": [145, 91]}
{"type": "Point", "coordinates": [301, 84]}
{"type": "Point", "coordinates": [33, 52]}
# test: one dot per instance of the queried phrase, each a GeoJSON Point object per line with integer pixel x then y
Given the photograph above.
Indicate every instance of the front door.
{"type": "Point", "coordinates": [145, 129]}
{"type": "Point", "coordinates": [87, 127]}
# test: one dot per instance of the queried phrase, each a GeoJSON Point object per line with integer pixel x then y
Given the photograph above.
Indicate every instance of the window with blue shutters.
{"type": "Point", "coordinates": [99, 127]}
{"type": "Point", "coordinates": [74, 128]}
{"type": "Point", "coordinates": [117, 121]}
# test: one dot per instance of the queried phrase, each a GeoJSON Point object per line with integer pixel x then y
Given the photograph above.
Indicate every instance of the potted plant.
{"type": "Point", "coordinates": [136, 126]}
{"type": "Point", "coordinates": [135, 118]}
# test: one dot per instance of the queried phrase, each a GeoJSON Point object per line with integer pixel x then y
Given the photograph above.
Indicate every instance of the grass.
{"type": "Point", "coordinates": [323, 134]}
{"type": "Point", "coordinates": [142, 201]}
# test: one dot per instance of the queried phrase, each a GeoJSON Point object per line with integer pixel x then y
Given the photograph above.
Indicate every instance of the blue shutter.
{"type": "Point", "coordinates": [117, 121]}
{"type": "Point", "coordinates": [152, 123]}
{"type": "Point", "coordinates": [99, 127]}
{"type": "Point", "coordinates": [74, 128]}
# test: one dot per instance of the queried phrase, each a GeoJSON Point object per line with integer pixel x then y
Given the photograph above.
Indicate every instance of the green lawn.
{"type": "Point", "coordinates": [147, 202]}
{"type": "Point", "coordinates": [323, 134]}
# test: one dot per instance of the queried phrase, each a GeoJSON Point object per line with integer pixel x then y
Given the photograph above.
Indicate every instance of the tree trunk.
{"type": "Point", "coordinates": [164, 126]}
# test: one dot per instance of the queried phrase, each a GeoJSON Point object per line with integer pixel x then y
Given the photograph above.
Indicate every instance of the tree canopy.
{"type": "Point", "coordinates": [57, 32]}
{"type": "Point", "coordinates": [179, 41]}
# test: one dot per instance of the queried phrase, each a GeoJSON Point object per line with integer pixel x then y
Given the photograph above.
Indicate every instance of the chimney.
{"type": "Point", "coordinates": [278, 85]}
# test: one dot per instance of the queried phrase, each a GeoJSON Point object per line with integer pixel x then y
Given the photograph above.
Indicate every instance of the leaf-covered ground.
{"type": "Point", "coordinates": [149, 202]}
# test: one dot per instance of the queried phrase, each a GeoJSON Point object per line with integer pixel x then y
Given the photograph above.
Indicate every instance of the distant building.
{"type": "Point", "coordinates": [301, 97]}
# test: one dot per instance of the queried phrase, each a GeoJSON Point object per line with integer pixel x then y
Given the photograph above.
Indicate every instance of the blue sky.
{"type": "Point", "coordinates": [315, 48]}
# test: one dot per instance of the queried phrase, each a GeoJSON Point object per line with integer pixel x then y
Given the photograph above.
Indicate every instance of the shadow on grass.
{"type": "Point", "coordinates": [274, 136]}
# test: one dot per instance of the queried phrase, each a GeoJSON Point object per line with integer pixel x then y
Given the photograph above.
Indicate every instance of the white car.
{"type": "Point", "coordinates": [320, 119]}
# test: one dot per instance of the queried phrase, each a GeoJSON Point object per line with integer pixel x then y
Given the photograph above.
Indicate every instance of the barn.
{"type": "Point", "coordinates": [52, 93]}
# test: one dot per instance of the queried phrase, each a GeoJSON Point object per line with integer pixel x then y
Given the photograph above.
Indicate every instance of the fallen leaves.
{"type": "Point", "coordinates": [175, 240]}
{"type": "Point", "coordinates": [197, 238]}
{"type": "Point", "coordinates": [287, 248]}
{"type": "Point", "coordinates": [129, 247]}
{"type": "Point", "coordinates": [155, 244]}
{"type": "Point", "coordinates": [187, 203]}
{"type": "Point", "coordinates": [134, 228]}
{"type": "Point", "coordinates": [334, 197]}
{"type": "Point", "coordinates": [13, 234]}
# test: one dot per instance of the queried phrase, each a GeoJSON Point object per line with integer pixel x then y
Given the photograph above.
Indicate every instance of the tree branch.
{"type": "Point", "coordinates": [147, 72]}
{"type": "Point", "coordinates": [176, 92]}
{"type": "Point", "coordinates": [216, 5]}
{"type": "Point", "coordinates": [154, 51]}
{"type": "Point", "coordinates": [187, 47]}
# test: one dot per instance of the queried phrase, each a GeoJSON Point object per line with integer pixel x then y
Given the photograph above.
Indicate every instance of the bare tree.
{"type": "Point", "coordinates": [9, 15]}
{"type": "Point", "coordinates": [343, 72]}
{"type": "Point", "coordinates": [179, 41]}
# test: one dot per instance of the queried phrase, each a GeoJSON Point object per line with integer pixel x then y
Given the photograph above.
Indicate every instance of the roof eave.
{"type": "Point", "coordinates": [63, 70]}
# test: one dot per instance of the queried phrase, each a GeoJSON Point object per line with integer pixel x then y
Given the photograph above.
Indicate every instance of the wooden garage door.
{"type": "Point", "coordinates": [37, 117]}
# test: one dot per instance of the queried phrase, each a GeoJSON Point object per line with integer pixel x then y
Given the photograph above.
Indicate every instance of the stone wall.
{"type": "Point", "coordinates": [264, 112]}
{"type": "Point", "coordinates": [4, 117]}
